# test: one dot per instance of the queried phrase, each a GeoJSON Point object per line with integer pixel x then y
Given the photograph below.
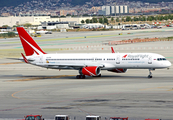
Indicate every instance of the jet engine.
{"type": "Point", "coordinates": [90, 71]}
{"type": "Point", "coordinates": [119, 70]}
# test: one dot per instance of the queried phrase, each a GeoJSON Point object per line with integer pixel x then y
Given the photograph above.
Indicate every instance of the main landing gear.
{"type": "Point", "coordinates": [83, 76]}
{"type": "Point", "coordinates": [80, 76]}
{"type": "Point", "coordinates": [150, 73]}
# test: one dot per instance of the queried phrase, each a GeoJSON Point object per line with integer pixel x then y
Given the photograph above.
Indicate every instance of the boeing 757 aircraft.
{"type": "Point", "coordinates": [89, 64]}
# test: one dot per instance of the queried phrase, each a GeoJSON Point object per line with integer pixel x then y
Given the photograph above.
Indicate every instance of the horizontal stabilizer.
{"type": "Point", "coordinates": [24, 58]}
{"type": "Point", "coordinates": [13, 58]}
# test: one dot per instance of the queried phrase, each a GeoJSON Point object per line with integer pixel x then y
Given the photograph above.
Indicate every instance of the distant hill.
{"type": "Point", "coordinates": [151, 1]}
{"type": "Point", "coordinates": [8, 3]}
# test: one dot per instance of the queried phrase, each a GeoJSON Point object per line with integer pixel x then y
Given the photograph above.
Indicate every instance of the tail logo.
{"type": "Point", "coordinates": [34, 48]}
{"type": "Point", "coordinates": [125, 56]}
{"type": "Point", "coordinates": [29, 45]}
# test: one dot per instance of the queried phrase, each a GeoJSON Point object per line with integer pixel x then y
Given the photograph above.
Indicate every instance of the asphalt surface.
{"type": "Point", "coordinates": [27, 89]}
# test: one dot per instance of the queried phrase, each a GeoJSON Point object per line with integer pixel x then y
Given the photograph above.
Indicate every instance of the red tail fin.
{"type": "Point", "coordinates": [29, 45]}
{"type": "Point", "coordinates": [112, 49]}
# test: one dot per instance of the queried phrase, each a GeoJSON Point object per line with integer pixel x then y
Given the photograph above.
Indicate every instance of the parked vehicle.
{"type": "Point", "coordinates": [152, 119]}
{"type": "Point", "coordinates": [92, 117]}
{"type": "Point", "coordinates": [33, 117]}
{"type": "Point", "coordinates": [49, 32]}
{"type": "Point", "coordinates": [118, 118]}
{"type": "Point", "coordinates": [159, 27]}
{"type": "Point", "coordinates": [61, 117]}
{"type": "Point", "coordinates": [43, 32]}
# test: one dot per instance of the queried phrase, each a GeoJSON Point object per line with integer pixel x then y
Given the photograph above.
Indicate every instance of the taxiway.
{"type": "Point", "coordinates": [27, 89]}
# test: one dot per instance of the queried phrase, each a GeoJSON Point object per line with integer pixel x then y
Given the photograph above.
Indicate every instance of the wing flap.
{"type": "Point", "coordinates": [72, 66]}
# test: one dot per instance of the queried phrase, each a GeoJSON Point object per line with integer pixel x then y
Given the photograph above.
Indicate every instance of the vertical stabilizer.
{"type": "Point", "coordinates": [112, 49]}
{"type": "Point", "coordinates": [29, 45]}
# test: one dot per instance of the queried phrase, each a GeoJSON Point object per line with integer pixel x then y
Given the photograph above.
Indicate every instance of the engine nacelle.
{"type": "Point", "coordinates": [119, 70]}
{"type": "Point", "coordinates": [91, 71]}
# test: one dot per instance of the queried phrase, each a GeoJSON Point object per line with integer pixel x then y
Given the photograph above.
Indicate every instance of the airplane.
{"type": "Point", "coordinates": [89, 64]}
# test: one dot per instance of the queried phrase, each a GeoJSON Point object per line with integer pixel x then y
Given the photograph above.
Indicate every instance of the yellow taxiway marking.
{"type": "Point", "coordinates": [163, 87]}
{"type": "Point", "coordinates": [11, 63]}
{"type": "Point", "coordinates": [38, 78]}
{"type": "Point", "coordinates": [170, 89]}
{"type": "Point", "coordinates": [21, 91]}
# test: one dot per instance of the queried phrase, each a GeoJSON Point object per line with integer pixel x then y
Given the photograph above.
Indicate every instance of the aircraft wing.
{"type": "Point", "coordinates": [71, 66]}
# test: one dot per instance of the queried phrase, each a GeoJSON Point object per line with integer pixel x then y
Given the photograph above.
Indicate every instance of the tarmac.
{"type": "Point", "coordinates": [27, 89]}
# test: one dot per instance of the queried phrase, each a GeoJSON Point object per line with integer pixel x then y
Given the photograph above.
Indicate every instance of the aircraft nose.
{"type": "Point", "coordinates": [169, 64]}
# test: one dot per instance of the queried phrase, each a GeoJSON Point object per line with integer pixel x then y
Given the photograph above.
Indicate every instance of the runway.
{"type": "Point", "coordinates": [27, 89]}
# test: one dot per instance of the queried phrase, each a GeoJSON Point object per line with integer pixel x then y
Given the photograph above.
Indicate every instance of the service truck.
{"type": "Point", "coordinates": [92, 117]}
{"type": "Point", "coordinates": [61, 117]}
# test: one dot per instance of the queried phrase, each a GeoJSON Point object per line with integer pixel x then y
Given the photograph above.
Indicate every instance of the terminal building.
{"type": "Point", "coordinates": [54, 25]}
{"type": "Point", "coordinates": [114, 10]}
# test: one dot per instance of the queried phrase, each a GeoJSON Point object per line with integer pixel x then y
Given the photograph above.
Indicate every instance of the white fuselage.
{"type": "Point", "coordinates": [106, 61]}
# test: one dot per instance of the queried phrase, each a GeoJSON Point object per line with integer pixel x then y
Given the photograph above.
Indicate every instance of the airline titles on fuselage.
{"type": "Point", "coordinates": [135, 56]}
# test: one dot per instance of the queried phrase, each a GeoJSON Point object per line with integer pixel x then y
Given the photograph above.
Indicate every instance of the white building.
{"type": "Point", "coordinates": [109, 10]}
{"type": "Point", "coordinates": [112, 9]}
{"type": "Point", "coordinates": [77, 20]}
{"type": "Point", "coordinates": [117, 9]}
{"type": "Point", "coordinates": [121, 9]}
{"type": "Point", "coordinates": [126, 9]}
{"type": "Point", "coordinates": [92, 25]}
{"type": "Point", "coordinates": [105, 10]}
{"type": "Point", "coordinates": [37, 20]}
{"type": "Point", "coordinates": [34, 20]}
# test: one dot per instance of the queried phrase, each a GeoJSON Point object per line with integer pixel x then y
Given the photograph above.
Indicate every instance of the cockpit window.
{"type": "Point", "coordinates": [161, 59]}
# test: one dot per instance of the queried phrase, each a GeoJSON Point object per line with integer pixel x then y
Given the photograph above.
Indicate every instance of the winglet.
{"type": "Point", "coordinates": [112, 49]}
{"type": "Point", "coordinates": [24, 58]}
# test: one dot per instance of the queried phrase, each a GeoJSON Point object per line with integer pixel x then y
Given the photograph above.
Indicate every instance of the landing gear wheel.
{"type": "Point", "coordinates": [80, 76]}
{"type": "Point", "coordinates": [77, 76]}
{"type": "Point", "coordinates": [150, 76]}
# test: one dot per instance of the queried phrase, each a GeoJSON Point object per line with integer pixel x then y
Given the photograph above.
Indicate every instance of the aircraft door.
{"type": "Point", "coordinates": [118, 59]}
{"type": "Point", "coordinates": [41, 59]}
{"type": "Point", "coordinates": [150, 60]}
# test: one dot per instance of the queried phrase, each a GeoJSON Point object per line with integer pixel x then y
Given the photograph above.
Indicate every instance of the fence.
{"type": "Point", "coordinates": [137, 41]}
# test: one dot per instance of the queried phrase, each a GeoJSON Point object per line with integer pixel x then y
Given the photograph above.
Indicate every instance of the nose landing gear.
{"type": "Point", "coordinates": [150, 73]}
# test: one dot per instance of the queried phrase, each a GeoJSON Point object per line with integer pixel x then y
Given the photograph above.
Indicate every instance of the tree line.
{"type": "Point", "coordinates": [145, 18]}
{"type": "Point", "coordinates": [103, 20]}
{"type": "Point", "coordinates": [24, 25]}
{"type": "Point", "coordinates": [7, 35]}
